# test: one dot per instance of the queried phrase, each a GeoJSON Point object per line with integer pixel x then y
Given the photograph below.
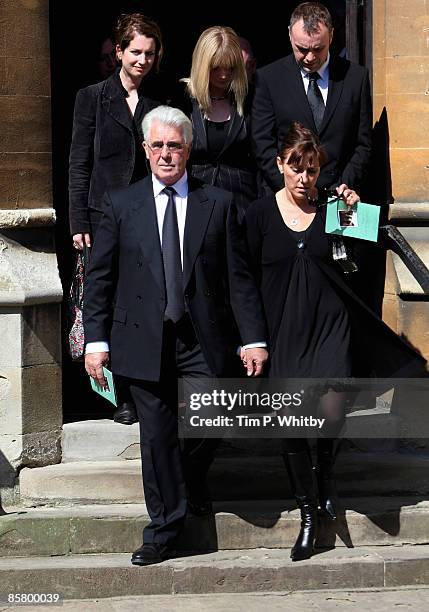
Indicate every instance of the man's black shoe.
{"type": "Point", "coordinates": [148, 554]}
{"type": "Point", "coordinates": [126, 414]}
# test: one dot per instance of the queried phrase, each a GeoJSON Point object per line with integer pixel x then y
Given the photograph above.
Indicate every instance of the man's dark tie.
{"type": "Point", "coordinates": [172, 261]}
{"type": "Point", "coordinates": [315, 99]}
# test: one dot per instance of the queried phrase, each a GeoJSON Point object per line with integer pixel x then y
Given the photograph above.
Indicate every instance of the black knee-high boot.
{"type": "Point", "coordinates": [328, 496]}
{"type": "Point", "coordinates": [301, 477]}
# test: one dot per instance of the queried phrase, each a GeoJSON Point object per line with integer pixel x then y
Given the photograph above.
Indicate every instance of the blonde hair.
{"type": "Point", "coordinates": [218, 46]}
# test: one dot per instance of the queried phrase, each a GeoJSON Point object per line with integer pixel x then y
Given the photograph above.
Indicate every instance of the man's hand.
{"type": "Point", "coordinates": [94, 363]}
{"type": "Point", "coordinates": [80, 239]}
{"type": "Point", "coordinates": [253, 360]}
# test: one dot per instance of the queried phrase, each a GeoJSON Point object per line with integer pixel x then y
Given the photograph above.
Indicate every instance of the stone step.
{"type": "Point", "coordinates": [103, 439]}
{"type": "Point", "coordinates": [98, 440]}
{"type": "Point", "coordinates": [239, 571]}
{"type": "Point", "coordinates": [383, 599]}
{"type": "Point", "coordinates": [90, 529]}
{"type": "Point", "coordinates": [358, 474]}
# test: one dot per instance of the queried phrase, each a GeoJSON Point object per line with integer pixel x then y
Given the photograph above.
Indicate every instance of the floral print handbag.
{"type": "Point", "coordinates": [75, 334]}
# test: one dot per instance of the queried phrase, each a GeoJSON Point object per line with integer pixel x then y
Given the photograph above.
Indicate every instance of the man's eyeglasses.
{"type": "Point", "coordinates": [171, 146]}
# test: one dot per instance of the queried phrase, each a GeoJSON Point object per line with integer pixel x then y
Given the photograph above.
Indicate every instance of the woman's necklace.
{"type": "Point", "coordinates": [297, 216]}
{"type": "Point", "coordinates": [218, 98]}
{"type": "Point", "coordinates": [293, 216]}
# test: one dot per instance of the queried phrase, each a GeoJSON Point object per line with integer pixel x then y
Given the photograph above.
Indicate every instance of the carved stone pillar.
{"type": "Point", "coordinates": [30, 288]}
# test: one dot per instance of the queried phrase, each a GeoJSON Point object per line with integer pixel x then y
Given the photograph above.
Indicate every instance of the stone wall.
{"type": "Point", "coordinates": [25, 105]}
{"type": "Point", "coordinates": [30, 289]}
{"type": "Point", "coordinates": [401, 84]}
{"type": "Point", "coordinates": [401, 87]}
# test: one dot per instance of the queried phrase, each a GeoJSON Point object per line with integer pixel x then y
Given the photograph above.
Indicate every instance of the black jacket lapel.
{"type": "Point", "coordinates": [114, 103]}
{"type": "Point", "coordinates": [199, 210]}
{"type": "Point", "coordinates": [200, 135]}
{"type": "Point", "coordinates": [296, 92]}
{"type": "Point", "coordinates": [337, 71]}
{"type": "Point", "coordinates": [146, 227]}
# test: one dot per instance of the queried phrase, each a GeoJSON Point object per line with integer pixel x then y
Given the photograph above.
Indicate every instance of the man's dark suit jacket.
{"type": "Point", "coordinates": [345, 133]}
{"type": "Point", "coordinates": [103, 149]}
{"type": "Point", "coordinates": [126, 267]}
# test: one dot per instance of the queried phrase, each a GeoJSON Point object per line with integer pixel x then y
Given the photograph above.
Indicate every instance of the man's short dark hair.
{"type": "Point", "coordinates": [312, 14]}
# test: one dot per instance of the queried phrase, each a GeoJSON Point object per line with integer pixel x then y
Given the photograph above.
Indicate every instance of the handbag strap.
{"type": "Point", "coordinates": [86, 257]}
{"type": "Point", "coordinates": [76, 288]}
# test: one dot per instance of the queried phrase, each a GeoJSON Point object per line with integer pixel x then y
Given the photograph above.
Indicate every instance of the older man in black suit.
{"type": "Point", "coordinates": [168, 252]}
{"type": "Point", "coordinates": [329, 95]}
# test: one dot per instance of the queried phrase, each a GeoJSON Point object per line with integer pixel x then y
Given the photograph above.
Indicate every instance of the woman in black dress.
{"type": "Point", "coordinates": [313, 318]}
{"type": "Point", "coordinates": [216, 100]}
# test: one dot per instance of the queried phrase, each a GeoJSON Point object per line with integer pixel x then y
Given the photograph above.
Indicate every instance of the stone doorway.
{"type": "Point", "coordinates": [75, 41]}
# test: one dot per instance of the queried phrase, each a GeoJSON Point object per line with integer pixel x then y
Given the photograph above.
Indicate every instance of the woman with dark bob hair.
{"type": "Point", "coordinates": [106, 150]}
{"type": "Point", "coordinates": [317, 327]}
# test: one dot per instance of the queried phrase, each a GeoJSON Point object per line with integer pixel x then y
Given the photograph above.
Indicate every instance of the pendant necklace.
{"type": "Point", "coordinates": [294, 221]}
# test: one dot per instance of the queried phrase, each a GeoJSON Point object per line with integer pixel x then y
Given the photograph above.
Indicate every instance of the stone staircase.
{"type": "Point", "coordinates": [80, 520]}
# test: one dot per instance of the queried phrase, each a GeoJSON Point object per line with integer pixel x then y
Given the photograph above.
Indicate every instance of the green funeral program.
{"type": "Point", "coordinates": [109, 392]}
{"type": "Point", "coordinates": [359, 221]}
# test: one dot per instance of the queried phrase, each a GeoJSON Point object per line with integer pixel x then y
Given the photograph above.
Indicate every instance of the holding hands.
{"type": "Point", "coordinates": [253, 360]}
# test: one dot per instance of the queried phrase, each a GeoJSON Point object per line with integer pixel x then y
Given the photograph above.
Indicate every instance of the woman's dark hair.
{"type": "Point", "coordinates": [301, 145]}
{"type": "Point", "coordinates": [135, 23]}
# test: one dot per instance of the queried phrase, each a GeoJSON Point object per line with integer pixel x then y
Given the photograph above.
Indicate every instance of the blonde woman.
{"type": "Point", "coordinates": [216, 101]}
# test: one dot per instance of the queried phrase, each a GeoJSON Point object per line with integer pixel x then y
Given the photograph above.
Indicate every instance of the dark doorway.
{"type": "Point", "coordinates": [77, 31]}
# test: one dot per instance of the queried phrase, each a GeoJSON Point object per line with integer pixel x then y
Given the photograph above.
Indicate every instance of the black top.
{"type": "Point", "coordinates": [217, 132]}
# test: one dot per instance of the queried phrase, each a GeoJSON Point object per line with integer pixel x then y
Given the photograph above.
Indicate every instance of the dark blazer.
{"type": "Point", "coordinates": [103, 149]}
{"type": "Point", "coordinates": [234, 168]}
{"type": "Point", "coordinates": [126, 264]}
{"type": "Point", "coordinates": [345, 133]}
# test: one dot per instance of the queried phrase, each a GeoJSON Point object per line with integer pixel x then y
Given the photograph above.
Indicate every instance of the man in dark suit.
{"type": "Point", "coordinates": [169, 252]}
{"type": "Point", "coordinates": [328, 95]}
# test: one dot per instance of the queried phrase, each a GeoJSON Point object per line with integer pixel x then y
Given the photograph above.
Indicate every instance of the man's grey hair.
{"type": "Point", "coordinates": [167, 115]}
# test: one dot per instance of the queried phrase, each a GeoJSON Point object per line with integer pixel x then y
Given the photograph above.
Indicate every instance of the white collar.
{"type": "Point", "coordinates": [322, 70]}
{"type": "Point", "coordinates": [181, 186]}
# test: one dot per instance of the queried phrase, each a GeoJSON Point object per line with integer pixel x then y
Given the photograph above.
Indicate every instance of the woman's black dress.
{"type": "Point", "coordinates": [315, 323]}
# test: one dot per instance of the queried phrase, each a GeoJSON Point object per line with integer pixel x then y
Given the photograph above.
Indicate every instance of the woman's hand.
{"type": "Point", "coordinates": [349, 196]}
{"type": "Point", "coordinates": [253, 360]}
{"type": "Point", "coordinates": [80, 239]}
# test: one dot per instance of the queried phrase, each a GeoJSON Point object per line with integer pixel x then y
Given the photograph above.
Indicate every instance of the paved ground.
{"type": "Point", "coordinates": [383, 600]}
